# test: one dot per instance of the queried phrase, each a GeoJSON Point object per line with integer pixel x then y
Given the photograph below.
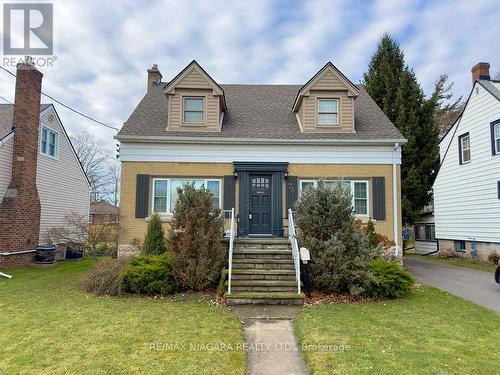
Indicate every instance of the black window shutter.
{"type": "Point", "coordinates": [292, 192]}
{"type": "Point", "coordinates": [378, 196]}
{"type": "Point", "coordinates": [229, 192]}
{"type": "Point", "coordinates": [142, 196]}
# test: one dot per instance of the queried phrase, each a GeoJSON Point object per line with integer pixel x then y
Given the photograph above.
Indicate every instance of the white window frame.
{"type": "Point", "coordinates": [204, 111]}
{"type": "Point", "coordinates": [318, 112]}
{"type": "Point", "coordinates": [351, 182]}
{"type": "Point", "coordinates": [462, 149]}
{"type": "Point", "coordinates": [169, 195]}
{"type": "Point", "coordinates": [56, 145]}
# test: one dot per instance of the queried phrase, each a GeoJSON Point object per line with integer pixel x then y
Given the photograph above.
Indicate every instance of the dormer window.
{"type": "Point", "coordinates": [194, 110]}
{"type": "Point", "coordinates": [328, 111]}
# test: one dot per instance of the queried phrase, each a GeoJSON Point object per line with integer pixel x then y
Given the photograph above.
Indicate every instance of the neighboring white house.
{"type": "Point", "coordinates": [467, 187]}
{"type": "Point", "coordinates": [425, 235]}
{"type": "Point", "coordinates": [62, 185]}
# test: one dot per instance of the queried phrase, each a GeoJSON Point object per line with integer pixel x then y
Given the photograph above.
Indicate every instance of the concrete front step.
{"type": "Point", "coordinates": [267, 264]}
{"type": "Point", "coordinates": [267, 298]}
{"type": "Point", "coordinates": [239, 253]}
{"type": "Point", "coordinates": [256, 274]}
{"type": "Point", "coordinates": [283, 286]}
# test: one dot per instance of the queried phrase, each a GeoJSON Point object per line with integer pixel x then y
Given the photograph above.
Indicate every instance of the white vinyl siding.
{"type": "Point", "coordinates": [358, 190]}
{"type": "Point", "coordinates": [164, 192]}
{"type": "Point", "coordinates": [425, 239]}
{"type": "Point", "coordinates": [62, 186]}
{"type": "Point", "coordinates": [465, 196]}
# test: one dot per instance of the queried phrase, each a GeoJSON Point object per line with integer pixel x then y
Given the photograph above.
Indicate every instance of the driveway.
{"type": "Point", "coordinates": [473, 285]}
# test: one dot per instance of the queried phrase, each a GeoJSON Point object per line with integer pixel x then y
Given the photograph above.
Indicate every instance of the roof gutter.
{"type": "Point", "coordinates": [236, 141]}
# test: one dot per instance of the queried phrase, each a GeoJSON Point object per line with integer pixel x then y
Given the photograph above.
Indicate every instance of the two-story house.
{"type": "Point", "coordinates": [467, 187]}
{"type": "Point", "coordinates": [41, 178]}
{"type": "Point", "coordinates": [256, 147]}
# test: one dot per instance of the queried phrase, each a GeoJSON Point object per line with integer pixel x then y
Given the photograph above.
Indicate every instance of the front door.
{"type": "Point", "coordinates": [260, 214]}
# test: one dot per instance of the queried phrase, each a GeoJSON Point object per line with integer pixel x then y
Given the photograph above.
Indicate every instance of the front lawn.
{"type": "Point", "coordinates": [430, 332]}
{"type": "Point", "coordinates": [49, 326]}
{"type": "Point", "coordinates": [460, 262]}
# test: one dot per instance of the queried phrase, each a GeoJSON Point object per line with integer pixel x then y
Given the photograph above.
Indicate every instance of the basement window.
{"type": "Point", "coordinates": [459, 246]}
{"type": "Point", "coordinates": [49, 142]}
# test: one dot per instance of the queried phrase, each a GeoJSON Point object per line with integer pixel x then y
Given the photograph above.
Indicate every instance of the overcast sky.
{"type": "Point", "coordinates": [105, 47]}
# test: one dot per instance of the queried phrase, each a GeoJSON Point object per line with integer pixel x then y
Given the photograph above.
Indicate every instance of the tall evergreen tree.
{"type": "Point", "coordinates": [394, 87]}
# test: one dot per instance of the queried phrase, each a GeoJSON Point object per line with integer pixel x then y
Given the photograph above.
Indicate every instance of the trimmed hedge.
{"type": "Point", "coordinates": [149, 275]}
{"type": "Point", "coordinates": [390, 280]}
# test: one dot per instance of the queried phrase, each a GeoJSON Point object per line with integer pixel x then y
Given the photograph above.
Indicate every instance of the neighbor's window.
{"type": "Point", "coordinates": [193, 110]}
{"type": "Point", "coordinates": [430, 232]}
{"type": "Point", "coordinates": [48, 142]}
{"type": "Point", "coordinates": [419, 232]}
{"type": "Point", "coordinates": [165, 192]}
{"type": "Point", "coordinates": [464, 148]}
{"type": "Point", "coordinates": [459, 246]}
{"type": "Point", "coordinates": [358, 190]}
{"type": "Point", "coordinates": [328, 111]}
{"type": "Point", "coordinates": [495, 134]}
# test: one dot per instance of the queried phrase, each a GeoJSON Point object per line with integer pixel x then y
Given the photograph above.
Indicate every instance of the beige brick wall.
{"type": "Point", "coordinates": [366, 172]}
{"type": "Point", "coordinates": [131, 228]}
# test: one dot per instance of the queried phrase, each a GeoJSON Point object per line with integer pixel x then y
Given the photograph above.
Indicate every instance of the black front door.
{"type": "Point", "coordinates": [260, 213]}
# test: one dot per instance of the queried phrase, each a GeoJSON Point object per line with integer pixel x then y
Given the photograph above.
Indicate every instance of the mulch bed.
{"type": "Point", "coordinates": [318, 298]}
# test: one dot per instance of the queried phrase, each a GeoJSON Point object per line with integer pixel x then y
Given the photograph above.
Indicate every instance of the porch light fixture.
{"type": "Point", "coordinates": [235, 175]}
{"type": "Point", "coordinates": [286, 175]}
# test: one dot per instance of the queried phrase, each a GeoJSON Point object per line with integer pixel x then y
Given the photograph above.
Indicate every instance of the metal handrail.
{"type": "Point", "coordinates": [292, 236]}
{"type": "Point", "coordinates": [231, 242]}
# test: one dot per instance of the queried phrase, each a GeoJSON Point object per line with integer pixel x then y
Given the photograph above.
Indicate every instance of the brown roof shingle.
{"type": "Point", "coordinates": [258, 111]}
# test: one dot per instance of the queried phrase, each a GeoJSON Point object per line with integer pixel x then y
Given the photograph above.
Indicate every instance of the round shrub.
{"type": "Point", "coordinates": [390, 280]}
{"type": "Point", "coordinates": [148, 275]}
{"type": "Point", "coordinates": [104, 279]}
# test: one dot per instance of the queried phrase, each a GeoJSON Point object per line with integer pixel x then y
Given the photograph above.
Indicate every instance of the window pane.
{"type": "Point", "coordinates": [466, 155]}
{"type": "Point", "coordinates": [44, 147]}
{"type": "Point", "coordinates": [193, 104]}
{"type": "Point", "coordinates": [160, 188]}
{"type": "Point", "coordinates": [160, 204]}
{"type": "Point", "coordinates": [52, 140]}
{"type": "Point", "coordinates": [465, 143]}
{"type": "Point", "coordinates": [213, 187]}
{"type": "Point", "coordinates": [194, 117]}
{"type": "Point", "coordinates": [497, 142]}
{"type": "Point", "coordinates": [327, 118]}
{"type": "Point", "coordinates": [174, 185]}
{"type": "Point", "coordinates": [52, 149]}
{"type": "Point", "coordinates": [328, 106]}
{"type": "Point", "coordinates": [305, 185]}
{"type": "Point", "coordinates": [360, 206]}
{"type": "Point", "coordinates": [44, 140]}
{"type": "Point", "coordinates": [360, 190]}
{"type": "Point", "coordinates": [497, 131]}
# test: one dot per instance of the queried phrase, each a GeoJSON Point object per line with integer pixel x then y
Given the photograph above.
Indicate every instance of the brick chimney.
{"type": "Point", "coordinates": [20, 207]}
{"type": "Point", "coordinates": [480, 71]}
{"type": "Point", "coordinates": [154, 75]}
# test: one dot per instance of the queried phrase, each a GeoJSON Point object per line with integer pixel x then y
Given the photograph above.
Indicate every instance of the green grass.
{"type": "Point", "coordinates": [48, 326]}
{"type": "Point", "coordinates": [460, 262]}
{"type": "Point", "coordinates": [430, 332]}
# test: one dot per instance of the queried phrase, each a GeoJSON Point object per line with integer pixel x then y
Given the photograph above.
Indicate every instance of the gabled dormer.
{"type": "Point", "coordinates": [195, 101]}
{"type": "Point", "coordinates": [325, 104]}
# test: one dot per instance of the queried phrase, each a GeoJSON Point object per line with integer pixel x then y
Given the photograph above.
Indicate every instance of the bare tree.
{"type": "Point", "coordinates": [496, 76]}
{"type": "Point", "coordinates": [96, 161]}
{"type": "Point", "coordinates": [114, 183]}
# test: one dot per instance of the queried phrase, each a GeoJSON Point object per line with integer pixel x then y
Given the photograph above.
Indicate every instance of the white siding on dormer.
{"type": "Point", "coordinates": [62, 186]}
{"type": "Point", "coordinates": [465, 196]}
{"type": "Point", "coordinates": [5, 164]}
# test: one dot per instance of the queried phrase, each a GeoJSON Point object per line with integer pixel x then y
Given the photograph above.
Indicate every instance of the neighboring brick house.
{"type": "Point", "coordinates": [256, 147]}
{"type": "Point", "coordinates": [467, 187]}
{"type": "Point", "coordinates": [41, 178]}
{"type": "Point", "coordinates": [104, 213]}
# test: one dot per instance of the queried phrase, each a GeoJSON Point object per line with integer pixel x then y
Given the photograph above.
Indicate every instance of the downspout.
{"type": "Point", "coordinates": [395, 200]}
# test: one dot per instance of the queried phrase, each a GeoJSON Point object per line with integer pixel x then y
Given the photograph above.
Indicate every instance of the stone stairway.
{"type": "Point", "coordinates": [263, 273]}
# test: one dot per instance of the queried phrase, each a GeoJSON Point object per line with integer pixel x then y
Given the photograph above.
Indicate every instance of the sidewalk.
{"type": "Point", "coordinates": [272, 347]}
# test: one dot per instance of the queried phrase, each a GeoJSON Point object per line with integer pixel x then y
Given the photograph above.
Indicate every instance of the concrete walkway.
{"type": "Point", "coordinates": [473, 285]}
{"type": "Point", "coordinates": [272, 347]}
